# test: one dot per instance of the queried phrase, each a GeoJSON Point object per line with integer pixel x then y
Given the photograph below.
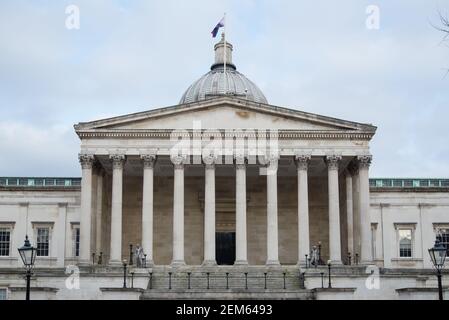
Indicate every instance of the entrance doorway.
{"type": "Point", "coordinates": [225, 248]}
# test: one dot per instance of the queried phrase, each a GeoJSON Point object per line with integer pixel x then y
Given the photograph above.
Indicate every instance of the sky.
{"type": "Point", "coordinates": [325, 57]}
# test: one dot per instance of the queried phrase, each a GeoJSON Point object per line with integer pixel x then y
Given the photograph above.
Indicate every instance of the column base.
{"type": "Point", "coordinates": [178, 263]}
{"type": "Point", "coordinates": [272, 263]}
{"type": "Point", "coordinates": [301, 264]}
{"type": "Point", "coordinates": [209, 263]}
{"type": "Point", "coordinates": [367, 263]}
{"type": "Point", "coordinates": [84, 263]}
{"type": "Point", "coordinates": [335, 263]}
{"type": "Point", "coordinates": [149, 263]}
{"type": "Point", "coordinates": [115, 263]}
{"type": "Point", "coordinates": [241, 263]}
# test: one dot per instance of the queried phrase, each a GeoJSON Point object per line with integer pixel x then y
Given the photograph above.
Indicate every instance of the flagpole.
{"type": "Point", "coordinates": [224, 55]}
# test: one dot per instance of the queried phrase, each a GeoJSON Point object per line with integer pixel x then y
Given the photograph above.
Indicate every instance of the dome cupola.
{"type": "Point", "coordinates": [223, 80]}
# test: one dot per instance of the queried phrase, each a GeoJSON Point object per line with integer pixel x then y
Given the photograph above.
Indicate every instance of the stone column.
{"type": "Point", "coordinates": [272, 212]}
{"type": "Point", "coordinates": [178, 210]}
{"type": "Point", "coordinates": [302, 165]}
{"type": "Point", "coordinates": [86, 161]}
{"type": "Point", "coordinates": [99, 212]}
{"type": "Point", "coordinates": [147, 205]}
{"type": "Point", "coordinates": [240, 211]}
{"type": "Point", "coordinates": [365, 220]}
{"type": "Point", "coordinates": [349, 213]}
{"type": "Point", "coordinates": [334, 209]}
{"type": "Point", "coordinates": [118, 162]}
{"type": "Point", "coordinates": [356, 207]}
{"type": "Point", "coordinates": [209, 211]}
{"type": "Point", "coordinates": [61, 234]}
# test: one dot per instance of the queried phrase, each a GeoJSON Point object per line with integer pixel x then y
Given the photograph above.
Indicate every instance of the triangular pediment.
{"type": "Point", "coordinates": [224, 113]}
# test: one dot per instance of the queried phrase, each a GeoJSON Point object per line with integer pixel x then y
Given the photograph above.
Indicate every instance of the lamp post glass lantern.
{"type": "Point", "coordinates": [28, 255]}
{"type": "Point", "coordinates": [438, 256]}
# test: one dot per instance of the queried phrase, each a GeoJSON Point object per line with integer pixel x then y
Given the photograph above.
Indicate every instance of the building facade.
{"type": "Point", "coordinates": [224, 183]}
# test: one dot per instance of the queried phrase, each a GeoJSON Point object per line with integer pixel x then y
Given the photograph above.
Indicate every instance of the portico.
{"type": "Point", "coordinates": [174, 205]}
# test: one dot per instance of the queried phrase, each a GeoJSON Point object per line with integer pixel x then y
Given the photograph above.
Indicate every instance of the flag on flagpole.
{"type": "Point", "coordinates": [217, 27]}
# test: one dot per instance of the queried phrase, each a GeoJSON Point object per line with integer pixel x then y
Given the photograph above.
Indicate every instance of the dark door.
{"type": "Point", "coordinates": [225, 247]}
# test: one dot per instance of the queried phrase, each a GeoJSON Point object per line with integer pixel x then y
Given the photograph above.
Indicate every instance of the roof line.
{"type": "Point", "coordinates": [142, 114]}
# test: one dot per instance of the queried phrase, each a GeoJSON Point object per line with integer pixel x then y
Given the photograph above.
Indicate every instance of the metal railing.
{"type": "Point", "coordinates": [373, 182]}
{"type": "Point", "coordinates": [408, 183]}
{"type": "Point", "coordinates": [39, 182]}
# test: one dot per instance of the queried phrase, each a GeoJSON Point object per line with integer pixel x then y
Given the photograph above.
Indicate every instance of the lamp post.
{"type": "Point", "coordinates": [124, 272]}
{"type": "Point", "coordinates": [28, 254]}
{"type": "Point", "coordinates": [329, 264]}
{"type": "Point", "coordinates": [131, 254]}
{"type": "Point", "coordinates": [132, 279]}
{"type": "Point", "coordinates": [438, 255]}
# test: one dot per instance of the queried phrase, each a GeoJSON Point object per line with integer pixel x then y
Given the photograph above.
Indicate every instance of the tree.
{"type": "Point", "coordinates": [444, 27]}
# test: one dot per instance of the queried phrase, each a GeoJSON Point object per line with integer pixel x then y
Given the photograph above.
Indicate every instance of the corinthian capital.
{"type": "Point", "coordinates": [333, 162]}
{"type": "Point", "coordinates": [269, 160]}
{"type": "Point", "coordinates": [148, 160]}
{"type": "Point", "coordinates": [240, 161]}
{"type": "Point", "coordinates": [302, 161]}
{"type": "Point", "coordinates": [209, 160]}
{"type": "Point", "coordinates": [118, 160]}
{"type": "Point", "coordinates": [178, 161]}
{"type": "Point", "coordinates": [353, 168]}
{"type": "Point", "coordinates": [86, 160]}
{"type": "Point", "coordinates": [364, 161]}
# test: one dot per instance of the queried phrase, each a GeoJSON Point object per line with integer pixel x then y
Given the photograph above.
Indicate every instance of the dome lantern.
{"type": "Point", "coordinates": [220, 56]}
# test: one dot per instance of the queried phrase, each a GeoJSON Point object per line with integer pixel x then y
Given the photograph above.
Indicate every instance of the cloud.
{"type": "Point", "coordinates": [32, 151]}
{"type": "Point", "coordinates": [133, 56]}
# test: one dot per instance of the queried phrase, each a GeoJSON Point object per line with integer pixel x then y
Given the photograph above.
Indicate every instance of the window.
{"type": "Point", "coordinates": [76, 236]}
{"type": "Point", "coordinates": [43, 241]}
{"type": "Point", "coordinates": [405, 243]}
{"type": "Point", "coordinates": [5, 241]}
{"type": "Point", "coordinates": [443, 237]}
{"type": "Point", "coordinates": [373, 240]}
{"type": "Point", "coordinates": [3, 294]}
{"type": "Point", "coordinates": [77, 241]}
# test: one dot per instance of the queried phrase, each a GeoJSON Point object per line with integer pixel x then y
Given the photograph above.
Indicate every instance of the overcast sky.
{"type": "Point", "coordinates": [315, 56]}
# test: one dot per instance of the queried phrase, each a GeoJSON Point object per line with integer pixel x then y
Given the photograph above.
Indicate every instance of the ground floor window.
{"type": "Point", "coordinates": [374, 240]}
{"type": "Point", "coordinates": [43, 242]}
{"type": "Point", "coordinates": [443, 237]}
{"type": "Point", "coordinates": [405, 234]}
{"type": "Point", "coordinates": [75, 239]}
{"type": "Point", "coordinates": [405, 243]}
{"type": "Point", "coordinates": [77, 242]}
{"type": "Point", "coordinates": [5, 241]}
{"type": "Point", "coordinates": [3, 293]}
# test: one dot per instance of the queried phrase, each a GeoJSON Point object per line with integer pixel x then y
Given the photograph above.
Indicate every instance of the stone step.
{"type": "Point", "coordinates": [239, 294]}
{"type": "Point", "coordinates": [218, 281]}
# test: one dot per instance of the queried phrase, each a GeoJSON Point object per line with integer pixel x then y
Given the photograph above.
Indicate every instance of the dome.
{"type": "Point", "coordinates": [218, 82]}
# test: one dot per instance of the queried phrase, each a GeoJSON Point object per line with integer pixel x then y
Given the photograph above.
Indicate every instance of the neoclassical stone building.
{"type": "Point", "coordinates": [181, 203]}
{"type": "Point", "coordinates": [224, 182]}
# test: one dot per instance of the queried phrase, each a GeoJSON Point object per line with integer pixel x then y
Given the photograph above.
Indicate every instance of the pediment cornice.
{"type": "Point", "coordinates": [105, 127]}
{"type": "Point", "coordinates": [247, 133]}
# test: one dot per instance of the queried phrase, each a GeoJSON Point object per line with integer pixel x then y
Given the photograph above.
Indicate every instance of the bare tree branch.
{"type": "Point", "coordinates": [444, 27]}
